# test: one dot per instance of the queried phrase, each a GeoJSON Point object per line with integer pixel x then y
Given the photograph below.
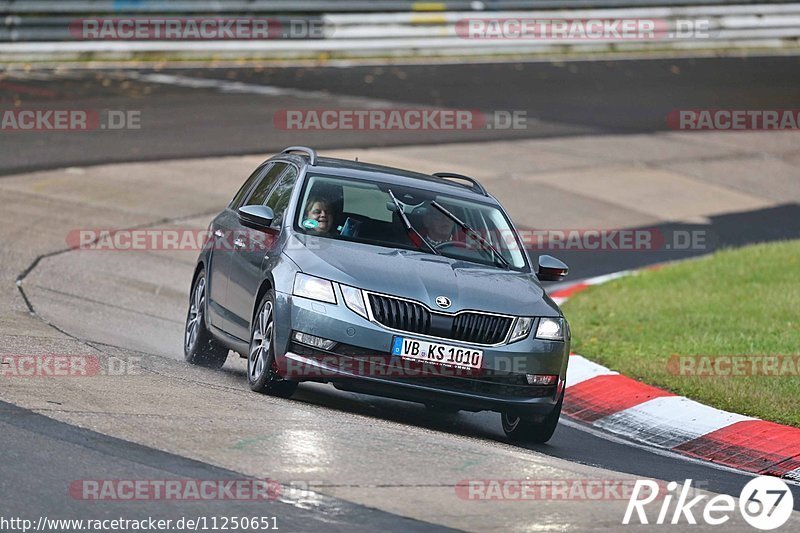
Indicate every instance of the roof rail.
{"type": "Point", "coordinates": [310, 152]}
{"type": "Point", "coordinates": [474, 184]}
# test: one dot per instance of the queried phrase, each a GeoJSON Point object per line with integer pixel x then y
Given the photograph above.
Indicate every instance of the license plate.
{"type": "Point", "coordinates": [437, 353]}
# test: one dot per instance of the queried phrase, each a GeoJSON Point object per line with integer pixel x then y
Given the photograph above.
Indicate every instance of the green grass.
{"type": "Point", "coordinates": [735, 302]}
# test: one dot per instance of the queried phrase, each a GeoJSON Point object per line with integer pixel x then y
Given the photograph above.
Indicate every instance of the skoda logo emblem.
{"type": "Point", "coordinates": [443, 302]}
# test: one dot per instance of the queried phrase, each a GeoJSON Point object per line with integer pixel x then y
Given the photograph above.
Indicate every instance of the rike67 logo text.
{"type": "Point", "coordinates": [765, 503]}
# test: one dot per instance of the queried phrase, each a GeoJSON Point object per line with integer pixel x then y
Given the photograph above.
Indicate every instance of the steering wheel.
{"type": "Point", "coordinates": [463, 246]}
{"type": "Point", "coordinates": [450, 244]}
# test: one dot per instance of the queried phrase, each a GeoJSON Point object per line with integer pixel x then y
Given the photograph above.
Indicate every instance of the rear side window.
{"type": "Point", "coordinates": [279, 199]}
{"type": "Point", "coordinates": [238, 200]}
{"type": "Point", "coordinates": [261, 191]}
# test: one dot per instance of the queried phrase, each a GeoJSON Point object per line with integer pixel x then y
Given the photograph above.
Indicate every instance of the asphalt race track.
{"type": "Point", "coordinates": [44, 477]}
{"type": "Point", "coordinates": [358, 453]}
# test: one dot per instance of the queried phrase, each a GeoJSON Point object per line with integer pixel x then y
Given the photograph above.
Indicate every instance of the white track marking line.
{"type": "Point", "coordinates": [581, 369]}
{"type": "Point", "coordinates": [238, 87]}
{"type": "Point", "coordinates": [224, 86]}
{"type": "Point", "coordinates": [793, 475]}
{"type": "Point", "coordinates": [668, 421]}
{"type": "Point", "coordinates": [597, 280]}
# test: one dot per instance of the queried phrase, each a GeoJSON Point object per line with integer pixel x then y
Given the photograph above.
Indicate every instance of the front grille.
{"type": "Point", "coordinates": [401, 314]}
{"type": "Point", "coordinates": [472, 327]}
{"type": "Point", "coordinates": [480, 328]}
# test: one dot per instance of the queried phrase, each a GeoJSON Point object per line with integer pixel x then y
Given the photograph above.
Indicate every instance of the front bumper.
{"type": "Point", "coordinates": [361, 362]}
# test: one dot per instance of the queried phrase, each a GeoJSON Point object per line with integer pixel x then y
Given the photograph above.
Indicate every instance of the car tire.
{"type": "Point", "coordinates": [523, 430]}
{"type": "Point", "coordinates": [262, 369]}
{"type": "Point", "coordinates": [199, 346]}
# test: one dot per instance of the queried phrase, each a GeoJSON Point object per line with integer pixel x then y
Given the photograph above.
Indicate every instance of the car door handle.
{"type": "Point", "coordinates": [218, 234]}
{"type": "Point", "coordinates": [238, 243]}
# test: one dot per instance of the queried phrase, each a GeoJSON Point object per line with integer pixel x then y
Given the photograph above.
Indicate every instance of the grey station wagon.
{"type": "Point", "coordinates": [381, 281]}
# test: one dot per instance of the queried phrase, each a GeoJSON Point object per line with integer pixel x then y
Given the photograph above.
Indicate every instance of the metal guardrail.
{"type": "Point", "coordinates": [25, 7]}
{"type": "Point", "coordinates": [388, 27]}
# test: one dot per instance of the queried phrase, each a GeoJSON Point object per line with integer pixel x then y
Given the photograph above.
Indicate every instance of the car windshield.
{"type": "Point", "coordinates": [364, 211]}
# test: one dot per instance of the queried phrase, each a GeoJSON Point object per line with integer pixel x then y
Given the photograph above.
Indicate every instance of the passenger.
{"type": "Point", "coordinates": [319, 215]}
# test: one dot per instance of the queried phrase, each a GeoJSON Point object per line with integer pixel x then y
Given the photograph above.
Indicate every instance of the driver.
{"type": "Point", "coordinates": [437, 228]}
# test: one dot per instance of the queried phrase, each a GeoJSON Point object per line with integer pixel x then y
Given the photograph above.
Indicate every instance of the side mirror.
{"type": "Point", "coordinates": [551, 269]}
{"type": "Point", "coordinates": [258, 217]}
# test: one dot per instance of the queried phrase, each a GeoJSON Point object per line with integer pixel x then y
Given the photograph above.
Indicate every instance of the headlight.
{"type": "Point", "coordinates": [354, 300]}
{"type": "Point", "coordinates": [313, 288]}
{"type": "Point", "coordinates": [521, 328]}
{"type": "Point", "coordinates": [550, 329]}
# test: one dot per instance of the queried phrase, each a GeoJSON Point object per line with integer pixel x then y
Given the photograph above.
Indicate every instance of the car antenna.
{"type": "Point", "coordinates": [356, 159]}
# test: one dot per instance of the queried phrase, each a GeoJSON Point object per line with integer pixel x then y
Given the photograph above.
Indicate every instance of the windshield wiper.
{"type": "Point", "coordinates": [413, 235]}
{"type": "Point", "coordinates": [496, 255]}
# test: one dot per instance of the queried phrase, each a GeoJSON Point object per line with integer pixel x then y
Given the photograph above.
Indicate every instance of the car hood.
{"type": "Point", "coordinates": [422, 276]}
